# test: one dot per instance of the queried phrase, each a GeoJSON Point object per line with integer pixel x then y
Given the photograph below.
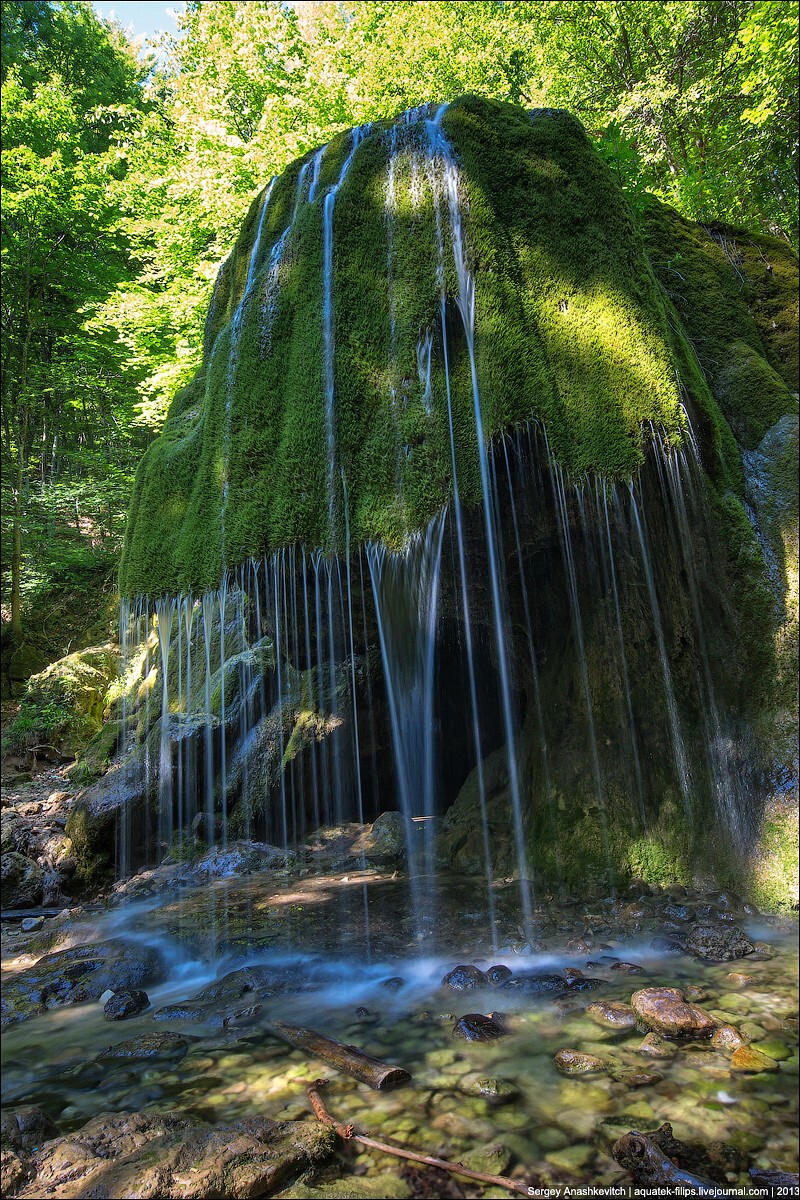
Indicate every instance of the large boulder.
{"type": "Point", "coordinates": [720, 942]}
{"type": "Point", "coordinates": [664, 1010]}
{"type": "Point", "coordinates": [62, 707]}
{"type": "Point", "coordinates": [150, 1155]}
{"type": "Point", "coordinates": [80, 973]}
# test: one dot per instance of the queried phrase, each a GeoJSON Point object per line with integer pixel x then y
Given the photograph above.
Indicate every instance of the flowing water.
{"type": "Point", "coordinates": [554, 1129]}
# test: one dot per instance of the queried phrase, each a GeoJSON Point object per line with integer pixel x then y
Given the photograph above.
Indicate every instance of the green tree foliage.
{"type": "Point", "coordinates": [68, 87]}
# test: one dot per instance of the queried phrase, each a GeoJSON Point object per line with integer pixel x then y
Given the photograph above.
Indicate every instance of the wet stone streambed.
{"type": "Point", "coordinates": [529, 1061]}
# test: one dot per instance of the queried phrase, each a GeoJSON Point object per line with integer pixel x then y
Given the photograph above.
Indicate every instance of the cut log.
{"type": "Point", "coordinates": [361, 1066]}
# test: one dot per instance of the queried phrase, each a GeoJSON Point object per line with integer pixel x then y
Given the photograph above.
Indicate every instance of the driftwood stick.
{"type": "Point", "coordinates": [363, 1067]}
{"type": "Point", "coordinates": [428, 1160]}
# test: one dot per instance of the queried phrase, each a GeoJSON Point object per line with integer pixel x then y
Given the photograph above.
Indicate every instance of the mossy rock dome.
{"type": "Point", "coordinates": [312, 425]}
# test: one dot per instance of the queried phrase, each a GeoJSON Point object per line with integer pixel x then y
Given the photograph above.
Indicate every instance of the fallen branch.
{"type": "Point", "coordinates": [347, 1133]}
{"type": "Point", "coordinates": [363, 1067]}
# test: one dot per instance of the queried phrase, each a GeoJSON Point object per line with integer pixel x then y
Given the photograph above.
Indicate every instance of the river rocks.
{"type": "Point", "coordinates": [498, 974]}
{"type": "Point", "coordinates": [494, 1090]}
{"type": "Point", "coordinates": [537, 984]}
{"type": "Point", "coordinates": [150, 1045]}
{"type": "Point", "coordinates": [122, 1005]}
{"type": "Point", "coordinates": [165, 1154]}
{"type": "Point", "coordinates": [695, 993]}
{"type": "Point", "coordinates": [663, 1010]}
{"type": "Point", "coordinates": [24, 1128]}
{"type": "Point", "coordinates": [719, 942]}
{"type": "Point", "coordinates": [634, 1077]}
{"type": "Point", "coordinates": [626, 968]}
{"type": "Point", "coordinates": [218, 1003]}
{"type": "Point", "coordinates": [728, 1037]}
{"type": "Point", "coordinates": [748, 1059]}
{"type": "Point", "coordinates": [576, 1062]}
{"type": "Point", "coordinates": [492, 1159]}
{"type": "Point", "coordinates": [761, 952]}
{"type": "Point", "coordinates": [612, 1013]}
{"type": "Point", "coordinates": [774, 1048]}
{"type": "Point", "coordinates": [476, 1027]}
{"type": "Point", "coordinates": [464, 978]}
{"type": "Point", "coordinates": [21, 880]}
{"type": "Point", "coordinates": [740, 979]}
{"type": "Point", "coordinates": [655, 1047]}
{"type": "Point", "coordinates": [77, 974]}
{"type": "Point", "coordinates": [667, 945]}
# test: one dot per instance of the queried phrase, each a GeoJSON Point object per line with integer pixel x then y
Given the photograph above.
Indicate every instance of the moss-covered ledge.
{"type": "Point", "coordinates": [572, 329]}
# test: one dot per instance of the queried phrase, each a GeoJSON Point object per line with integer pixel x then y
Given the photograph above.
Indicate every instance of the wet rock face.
{"type": "Point", "coordinates": [151, 1155]}
{"type": "Point", "coordinates": [663, 1010]}
{"type": "Point", "coordinates": [464, 978]}
{"type": "Point", "coordinates": [476, 1027]}
{"type": "Point", "coordinates": [720, 943]}
{"type": "Point", "coordinates": [24, 1128]}
{"type": "Point", "coordinates": [125, 1004]}
{"type": "Point", "coordinates": [82, 973]}
{"type": "Point", "coordinates": [238, 858]}
{"type": "Point", "coordinates": [22, 881]}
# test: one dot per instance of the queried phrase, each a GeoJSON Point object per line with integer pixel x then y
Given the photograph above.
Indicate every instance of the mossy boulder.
{"type": "Point", "coordinates": [62, 707]}
{"type": "Point", "coordinates": [571, 328]}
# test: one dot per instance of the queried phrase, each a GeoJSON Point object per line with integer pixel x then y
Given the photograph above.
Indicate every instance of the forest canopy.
{"type": "Point", "coordinates": [127, 170]}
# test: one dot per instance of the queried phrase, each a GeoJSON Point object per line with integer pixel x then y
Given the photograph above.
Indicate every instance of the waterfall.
{"type": "Point", "coordinates": [406, 592]}
{"type": "Point", "coordinates": [236, 327]}
{"type": "Point", "coordinates": [357, 137]}
{"type": "Point", "coordinates": [443, 155]}
{"type": "Point", "coordinates": [531, 623]}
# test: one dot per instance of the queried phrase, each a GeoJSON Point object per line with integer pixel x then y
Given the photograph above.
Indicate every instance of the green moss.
{"type": "Point", "coordinates": [735, 294]}
{"type": "Point", "coordinates": [96, 757]}
{"type": "Point", "coordinates": [752, 394]}
{"type": "Point", "coordinates": [773, 882]}
{"type": "Point", "coordinates": [62, 707]}
{"type": "Point", "coordinates": [571, 328]}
